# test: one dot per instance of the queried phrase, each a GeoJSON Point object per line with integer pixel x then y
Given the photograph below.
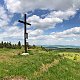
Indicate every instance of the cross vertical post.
{"type": "Point", "coordinates": [25, 33]}
{"type": "Point", "coordinates": [26, 46]}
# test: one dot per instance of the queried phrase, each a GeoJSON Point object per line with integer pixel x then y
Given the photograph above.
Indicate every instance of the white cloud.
{"type": "Point", "coordinates": [70, 33]}
{"type": "Point", "coordinates": [45, 23]}
{"type": "Point", "coordinates": [36, 32]}
{"type": "Point", "coordinates": [66, 37]}
{"type": "Point", "coordinates": [3, 17]}
{"type": "Point", "coordinates": [27, 5]}
{"type": "Point", "coordinates": [13, 5]}
{"type": "Point", "coordinates": [51, 20]}
{"type": "Point", "coordinates": [64, 9]}
{"type": "Point", "coordinates": [12, 31]}
{"type": "Point", "coordinates": [70, 36]}
{"type": "Point", "coordinates": [64, 15]}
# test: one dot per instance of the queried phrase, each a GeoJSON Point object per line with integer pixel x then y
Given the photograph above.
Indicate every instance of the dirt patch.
{"type": "Point", "coordinates": [45, 67]}
{"type": "Point", "coordinates": [15, 78]}
{"type": "Point", "coordinates": [3, 58]}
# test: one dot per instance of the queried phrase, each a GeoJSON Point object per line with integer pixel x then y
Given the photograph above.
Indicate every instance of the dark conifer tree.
{"type": "Point", "coordinates": [19, 45]}
{"type": "Point", "coordinates": [1, 44]}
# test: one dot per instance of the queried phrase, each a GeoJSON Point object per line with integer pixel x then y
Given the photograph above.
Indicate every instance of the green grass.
{"type": "Point", "coordinates": [39, 65]}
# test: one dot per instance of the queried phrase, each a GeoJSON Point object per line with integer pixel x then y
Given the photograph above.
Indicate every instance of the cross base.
{"type": "Point", "coordinates": [25, 54]}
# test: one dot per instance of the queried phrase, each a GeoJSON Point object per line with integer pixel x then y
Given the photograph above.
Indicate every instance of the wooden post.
{"type": "Point", "coordinates": [26, 50]}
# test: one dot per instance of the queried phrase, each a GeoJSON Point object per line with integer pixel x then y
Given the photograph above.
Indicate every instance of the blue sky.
{"type": "Point", "coordinates": [53, 22]}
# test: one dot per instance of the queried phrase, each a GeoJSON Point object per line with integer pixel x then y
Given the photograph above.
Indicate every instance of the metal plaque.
{"type": "Point", "coordinates": [26, 35]}
{"type": "Point", "coordinates": [26, 43]}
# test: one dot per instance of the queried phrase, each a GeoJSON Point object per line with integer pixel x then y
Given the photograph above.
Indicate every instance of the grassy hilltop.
{"type": "Point", "coordinates": [40, 64]}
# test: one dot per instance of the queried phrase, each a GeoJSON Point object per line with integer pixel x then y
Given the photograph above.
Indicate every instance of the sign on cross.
{"type": "Point", "coordinates": [25, 33]}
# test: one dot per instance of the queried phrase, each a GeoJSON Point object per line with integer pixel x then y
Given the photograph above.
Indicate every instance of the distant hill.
{"type": "Point", "coordinates": [60, 46]}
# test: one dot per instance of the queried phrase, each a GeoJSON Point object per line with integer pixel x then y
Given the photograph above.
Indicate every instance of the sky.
{"type": "Point", "coordinates": [53, 22]}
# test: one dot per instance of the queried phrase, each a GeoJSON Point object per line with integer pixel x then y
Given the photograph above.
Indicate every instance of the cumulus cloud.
{"type": "Point", "coordinates": [64, 15]}
{"type": "Point", "coordinates": [64, 10]}
{"type": "Point", "coordinates": [45, 23]}
{"type": "Point", "coordinates": [60, 10]}
{"type": "Point", "coordinates": [70, 33]}
{"type": "Point", "coordinates": [16, 33]}
{"type": "Point", "coordinates": [3, 17]}
{"type": "Point", "coordinates": [51, 20]}
{"type": "Point", "coordinates": [67, 37]}
{"type": "Point", "coordinates": [27, 5]}
{"type": "Point", "coordinates": [12, 31]}
{"type": "Point", "coordinates": [35, 33]}
{"type": "Point", "coordinates": [13, 5]}
{"type": "Point", "coordinates": [38, 37]}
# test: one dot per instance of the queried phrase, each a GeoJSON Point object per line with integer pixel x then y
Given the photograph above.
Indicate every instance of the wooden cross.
{"type": "Point", "coordinates": [25, 33]}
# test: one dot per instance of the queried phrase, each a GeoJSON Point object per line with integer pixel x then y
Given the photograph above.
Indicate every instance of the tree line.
{"type": "Point", "coordinates": [10, 45]}
{"type": "Point", "coordinates": [18, 46]}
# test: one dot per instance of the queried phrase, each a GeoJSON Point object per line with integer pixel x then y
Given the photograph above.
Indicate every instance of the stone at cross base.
{"type": "Point", "coordinates": [24, 54]}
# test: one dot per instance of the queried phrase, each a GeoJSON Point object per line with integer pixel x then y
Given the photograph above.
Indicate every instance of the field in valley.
{"type": "Point", "coordinates": [40, 64]}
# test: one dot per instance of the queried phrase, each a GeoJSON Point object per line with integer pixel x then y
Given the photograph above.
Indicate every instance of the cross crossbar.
{"type": "Point", "coordinates": [24, 22]}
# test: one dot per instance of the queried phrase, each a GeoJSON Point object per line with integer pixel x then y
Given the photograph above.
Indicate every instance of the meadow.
{"type": "Point", "coordinates": [63, 64]}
